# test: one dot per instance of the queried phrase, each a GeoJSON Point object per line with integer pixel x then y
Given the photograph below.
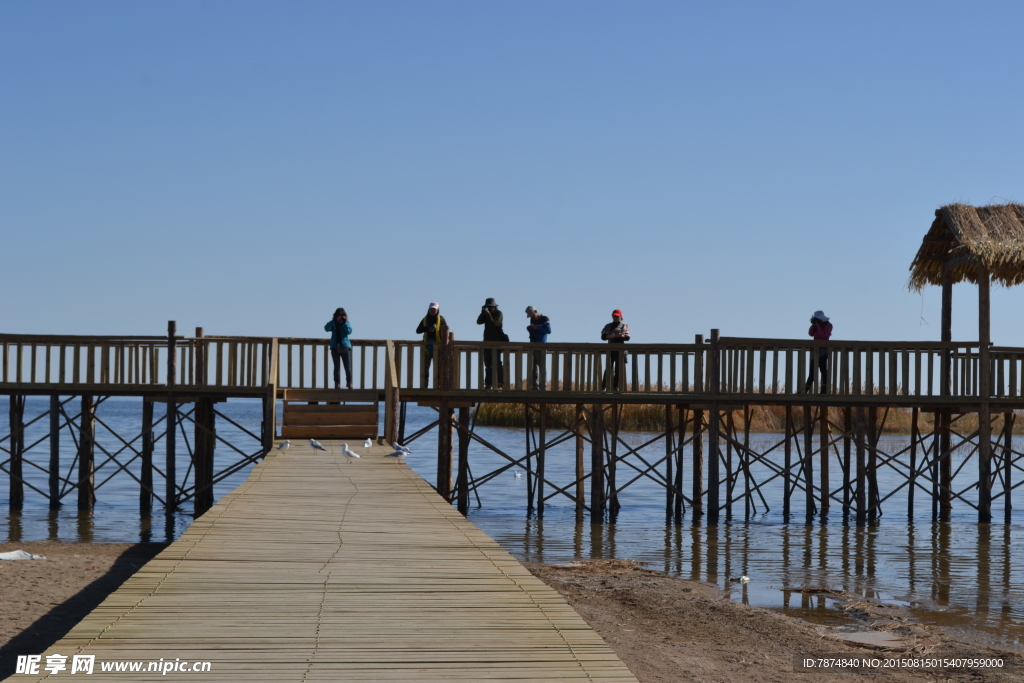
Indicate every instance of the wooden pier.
{"type": "Point", "coordinates": [321, 569]}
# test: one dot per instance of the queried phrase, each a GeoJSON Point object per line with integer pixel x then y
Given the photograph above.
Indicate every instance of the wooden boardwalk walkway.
{"type": "Point", "coordinates": [318, 569]}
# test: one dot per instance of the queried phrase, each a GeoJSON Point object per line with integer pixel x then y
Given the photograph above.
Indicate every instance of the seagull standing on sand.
{"type": "Point", "coordinates": [283, 446]}
{"type": "Point", "coordinates": [348, 453]}
{"type": "Point", "coordinates": [315, 445]}
{"type": "Point", "coordinates": [367, 443]}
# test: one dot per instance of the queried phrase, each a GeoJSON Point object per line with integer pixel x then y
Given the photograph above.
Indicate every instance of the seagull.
{"type": "Point", "coordinates": [399, 448]}
{"type": "Point", "coordinates": [517, 473]}
{"type": "Point", "coordinates": [400, 453]}
{"type": "Point", "coordinates": [367, 443]}
{"type": "Point", "coordinates": [347, 453]}
{"type": "Point", "coordinates": [740, 579]}
{"type": "Point", "coordinates": [315, 445]}
{"type": "Point", "coordinates": [283, 446]}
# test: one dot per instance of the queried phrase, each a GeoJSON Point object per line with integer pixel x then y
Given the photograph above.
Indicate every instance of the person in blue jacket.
{"type": "Point", "coordinates": [341, 348]}
{"type": "Point", "coordinates": [539, 329]}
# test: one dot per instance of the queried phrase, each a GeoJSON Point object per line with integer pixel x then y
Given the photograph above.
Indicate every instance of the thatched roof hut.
{"type": "Point", "coordinates": [964, 237]}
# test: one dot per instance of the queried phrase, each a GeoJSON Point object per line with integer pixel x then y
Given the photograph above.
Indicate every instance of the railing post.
{"type": "Point", "coordinates": [391, 394]}
{"type": "Point", "coordinates": [270, 399]}
{"type": "Point", "coordinates": [199, 359]}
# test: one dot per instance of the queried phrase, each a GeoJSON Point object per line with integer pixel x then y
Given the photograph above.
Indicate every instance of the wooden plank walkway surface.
{"type": "Point", "coordinates": [320, 569]}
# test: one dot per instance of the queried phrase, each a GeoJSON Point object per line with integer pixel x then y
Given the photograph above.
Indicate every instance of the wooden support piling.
{"type": "Point", "coordinates": [613, 461]}
{"type": "Point", "coordinates": [872, 464]}
{"type": "Point", "coordinates": [16, 414]}
{"type": "Point", "coordinates": [203, 449]}
{"type": "Point", "coordinates": [581, 499]}
{"type": "Point", "coordinates": [698, 462]}
{"type": "Point", "coordinates": [787, 463]}
{"type": "Point", "coordinates": [462, 480]}
{"type": "Point", "coordinates": [823, 447]}
{"type": "Point", "coordinates": [86, 455]}
{"type": "Point", "coordinates": [808, 463]}
{"type": "Point", "coordinates": [847, 444]}
{"type": "Point", "coordinates": [597, 497]}
{"type": "Point", "coordinates": [529, 459]}
{"type": "Point", "coordinates": [1008, 420]}
{"type": "Point", "coordinates": [54, 469]}
{"type": "Point", "coordinates": [146, 473]}
{"type": "Point", "coordinates": [678, 507]}
{"type": "Point", "coordinates": [861, 500]}
{"type": "Point", "coordinates": [541, 448]}
{"type": "Point", "coordinates": [669, 478]}
{"type": "Point", "coordinates": [944, 416]}
{"type": "Point", "coordinates": [915, 436]}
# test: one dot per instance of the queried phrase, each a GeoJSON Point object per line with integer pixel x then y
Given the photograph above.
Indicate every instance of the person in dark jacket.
{"type": "Point", "coordinates": [429, 327]}
{"type": "Point", "coordinates": [341, 348]}
{"type": "Point", "coordinates": [615, 332]}
{"type": "Point", "coordinates": [821, 330]}
{"type": "Point", "coordinates": [539, 329]}
{"type": "Point", "coordinates": [491, 318]}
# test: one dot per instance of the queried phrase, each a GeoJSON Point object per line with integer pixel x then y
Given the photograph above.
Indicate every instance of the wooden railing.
{"type": "Point", "coordinates": [747, 366]}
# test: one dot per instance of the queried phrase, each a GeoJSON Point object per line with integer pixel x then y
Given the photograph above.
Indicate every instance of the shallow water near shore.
{"type": "Point", "coordinates": [958, 574]}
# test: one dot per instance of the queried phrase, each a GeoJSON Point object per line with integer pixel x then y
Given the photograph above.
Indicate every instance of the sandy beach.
{"type": "Point", "coordinates": [663, 628]}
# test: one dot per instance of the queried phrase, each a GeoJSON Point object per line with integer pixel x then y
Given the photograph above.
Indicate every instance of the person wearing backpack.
{"type": "Point", "coordinates": [341, 348]}
{"type": "Point", "coordinates": [429, 327]}
{"type": "Point", "coordinates": [539, 329]}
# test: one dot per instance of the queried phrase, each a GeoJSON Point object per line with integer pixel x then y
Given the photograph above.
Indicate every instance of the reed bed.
{"type": "Point", "coordinates": [763, 419]}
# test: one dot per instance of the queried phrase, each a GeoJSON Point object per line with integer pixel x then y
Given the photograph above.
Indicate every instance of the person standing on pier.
{"type": "Point", "coordinates": [429, 327]}
{"type": "Point", "coordinates": [821, 330]}
{"type": "Point", "coordinates": [491, 318]}
{"type": "Point", "coordinates": [341, 348]}
{"type": "Point", "coordinates": [539, 329]}
{"type": "Point", "coordinates": [615, 332]}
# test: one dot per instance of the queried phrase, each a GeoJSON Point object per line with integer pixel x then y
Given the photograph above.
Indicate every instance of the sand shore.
{"type": "Point", "coordinates": [663, 628]}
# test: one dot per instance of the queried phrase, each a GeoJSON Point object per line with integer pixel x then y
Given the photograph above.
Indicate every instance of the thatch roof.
{"type": "Point", "coordinates": [966, 236]}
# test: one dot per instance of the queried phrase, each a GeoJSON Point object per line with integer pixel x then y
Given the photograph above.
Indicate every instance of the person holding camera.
{"type": "Point", "coordinates": [821, 330]}
{"type": "Point", "coordinates": [615, 332]}
{"type": "Point", "coordinates": [429, 327]}
{"type": "Point", "coordinates": [539, 329]}
{"type": "Point", "coordinates": [491, 318]}
{"type": "Point", "coordinates": [341, 348]}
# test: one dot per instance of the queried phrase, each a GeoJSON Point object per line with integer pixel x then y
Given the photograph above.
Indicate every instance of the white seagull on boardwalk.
{"type": "Point", "coordinates": [315, 445]}
{"type": "Point", "coordinates": [283, 446]}
{"type": "Point", "coordinates": [348, 453]}
{"type": "Point", "coordinates": [367, 443]}
{"type": "Point", "coordinates": [399, 448]}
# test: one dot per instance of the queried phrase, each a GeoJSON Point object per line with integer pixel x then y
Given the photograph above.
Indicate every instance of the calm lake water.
{"type": "Point", "coordinates": [959, 573]}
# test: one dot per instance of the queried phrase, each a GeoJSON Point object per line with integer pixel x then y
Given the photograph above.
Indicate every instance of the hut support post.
{"type": "Point", "coordinates": [984, 409]}
{"type": "Point", "coordinates": [54, 470]}
{"type": "Point", "coordinates": [714, 425]}
{"type": "Point", "coordinates": [16, 415]}
{"type": "Point", "coordinates": [915, 436]}
{"type": "Point", "coordinates": [944, 416]}
{"type": "Point", "coordinates": [86, 455]}
{"type": "Point", "coordinates": [146, 475]}
{"type": "Point", "coordinates": [462, 481]}
{"type": "Point", "coordinates": [1008, 419]}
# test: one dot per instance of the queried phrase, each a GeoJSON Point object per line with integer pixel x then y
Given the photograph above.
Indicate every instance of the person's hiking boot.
{"type": "Point", "coordinates": [337, 385]}
{"type": "Point", "coordinates": [349, 385]}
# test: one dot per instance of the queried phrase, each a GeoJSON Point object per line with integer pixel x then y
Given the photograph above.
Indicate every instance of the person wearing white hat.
{"type": "Point", "coordinates": [821, 330]}
{"type": "Point", "coordinates": [429, 327]}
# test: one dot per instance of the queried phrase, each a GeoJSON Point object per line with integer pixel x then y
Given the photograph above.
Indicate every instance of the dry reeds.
{"type": "Point", "coordinates": [763, 419]}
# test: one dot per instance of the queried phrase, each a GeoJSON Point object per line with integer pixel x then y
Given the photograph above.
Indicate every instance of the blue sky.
{"type": "Point", "coordinates": [249, 166]}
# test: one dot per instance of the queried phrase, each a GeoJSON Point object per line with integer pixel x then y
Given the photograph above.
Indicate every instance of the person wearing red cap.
{"type": "Point", "coordinates": [429, 327]}
{"type": "Point", "coordinates": [615, 332]}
